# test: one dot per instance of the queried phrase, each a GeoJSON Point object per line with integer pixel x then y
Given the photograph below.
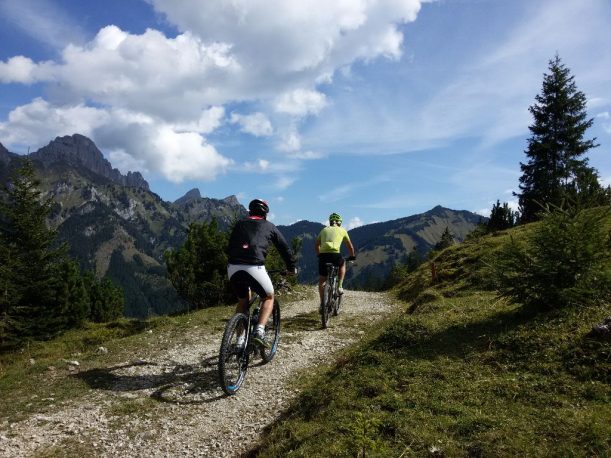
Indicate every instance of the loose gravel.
{"type": "Point", "coordinates": [169, 403]}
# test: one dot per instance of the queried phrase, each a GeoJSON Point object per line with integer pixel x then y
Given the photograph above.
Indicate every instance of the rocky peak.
{"type": "Point", "coordinates": [80, 150]}
{"type": "Point", "coordinates": [5, 155]}
{"type": "Point", "coordinates": [232, 201]}
{"type": "Point", "coordinates": [190, 196]}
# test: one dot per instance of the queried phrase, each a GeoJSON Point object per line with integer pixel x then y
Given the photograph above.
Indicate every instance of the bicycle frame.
{"type": "Point", "coordinates": [331, 297]}
{"type": "Point", "coordinates": [232, 354]}
{"type": "Point", "coordinates": [330, 294]}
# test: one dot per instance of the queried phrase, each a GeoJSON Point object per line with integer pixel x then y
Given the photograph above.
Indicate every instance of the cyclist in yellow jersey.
{"type": "Point", "coordinates": [328, 244]}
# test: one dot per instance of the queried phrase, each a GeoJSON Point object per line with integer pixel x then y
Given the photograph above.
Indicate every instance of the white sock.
{"type": "Point", "coordinates": [261, 329]}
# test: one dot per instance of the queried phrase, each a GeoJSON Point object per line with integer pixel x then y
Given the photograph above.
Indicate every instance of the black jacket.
{"type": "Point", "coordinates": [250, 239]}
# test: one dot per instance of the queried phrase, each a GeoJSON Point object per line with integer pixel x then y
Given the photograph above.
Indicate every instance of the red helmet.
{"type": "Point", "coordinates": [258, 207]}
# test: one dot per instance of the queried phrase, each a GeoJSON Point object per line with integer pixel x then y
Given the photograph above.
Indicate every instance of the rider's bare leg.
{"type": "Point", "coordinates": [242, 306]}
{"type": "Point", "coordinates": [321, 286]}
{"type": "Point", "coordinates": [342, 273]}
{"type": "Point", "coordinates": [266, 309]}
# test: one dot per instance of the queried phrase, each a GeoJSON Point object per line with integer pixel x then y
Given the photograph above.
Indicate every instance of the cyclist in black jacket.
{"type": "Point", "coordinates": [248, 245]}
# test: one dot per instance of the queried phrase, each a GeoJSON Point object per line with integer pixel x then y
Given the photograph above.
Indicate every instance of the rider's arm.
{"type": "Point", "coordinates": [317, 246]}
{"type": "Point", "coordinates": [350, 248]}
{"type": "Point", "coordinates": [283, 248]}
{"type": "Point", "coordinates": [349, 245]}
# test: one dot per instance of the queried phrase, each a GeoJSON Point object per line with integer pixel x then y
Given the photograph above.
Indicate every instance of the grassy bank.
{"type": "Point", "coordinates": [466, 376]}
{"type": "Point", "coordinates": [459, 373]}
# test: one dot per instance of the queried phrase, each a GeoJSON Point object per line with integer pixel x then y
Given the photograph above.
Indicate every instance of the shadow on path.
{"type": "Point", "coordinates": [302, 322]}
{"type": "Point", "coordinates": [172, 382]}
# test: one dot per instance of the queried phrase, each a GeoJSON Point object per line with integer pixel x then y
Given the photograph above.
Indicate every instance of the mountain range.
{"type": "Point", "coordinates": [116, 226]}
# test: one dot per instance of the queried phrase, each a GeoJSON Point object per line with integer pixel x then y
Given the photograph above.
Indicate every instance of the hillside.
{"type": "Point", "coordinates": [382, 245]}
{"type": "Point", "coordinates": [459, 373]}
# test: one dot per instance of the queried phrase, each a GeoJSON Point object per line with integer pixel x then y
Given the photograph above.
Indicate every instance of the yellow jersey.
{"type": "Point", "coordinates": [331, 239]}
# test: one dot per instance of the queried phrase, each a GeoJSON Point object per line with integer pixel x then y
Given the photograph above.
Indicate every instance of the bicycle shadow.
{"type": "Point", "coordinates": [169, 381]}
{"type": "Point", "coordinates": [309, 321]}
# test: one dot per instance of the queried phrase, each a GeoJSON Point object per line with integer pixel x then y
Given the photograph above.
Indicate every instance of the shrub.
{"type": "Point", "coordinates": [563, 262]}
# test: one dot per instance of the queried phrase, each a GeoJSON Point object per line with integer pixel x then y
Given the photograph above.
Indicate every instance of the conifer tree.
{"type": "Point", "coordinates": [72, 298]}
{"type": "Point", "coordinates": [107, 302]}
{"type": "Point", "coordinates": [198, 269]}
{"type": "Point", "coordinates": [447, 239]}
{"type": "Point", "coordinates": [34, 257]}
{"type": "Point", "coordinates": [8, 295]}
{"type": "Point", "coordinates": [556, 169]}
{"type": "Point", "coordinates": [501, 217]}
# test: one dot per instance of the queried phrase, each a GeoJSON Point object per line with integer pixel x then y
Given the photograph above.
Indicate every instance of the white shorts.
{"type": "Point", "coordinates": [255, 277]}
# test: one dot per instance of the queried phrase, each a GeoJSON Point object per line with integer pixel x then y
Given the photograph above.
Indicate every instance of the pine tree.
{"type": "Point", "coordinates": [72, 299]}
{"type": "Point", "coordinates": [447, 239]}
{"type": "Point", "coordinates": [501, 217]}
{"type": "Point", "coordinates": [107, 301]}
{"type": "Point", "coordinates": [198, 269]}
{"type": "Point", "coordinates": [556, 169]}
{"type": "Point", "coordinates": [9, 299]}
{"type": "Point", "coordinates": [34, 257]}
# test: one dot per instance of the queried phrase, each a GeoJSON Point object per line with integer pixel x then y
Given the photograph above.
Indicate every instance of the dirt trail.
{"type": "Point", "coordinates": [169, 403]}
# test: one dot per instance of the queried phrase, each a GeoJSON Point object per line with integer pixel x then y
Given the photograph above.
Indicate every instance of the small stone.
{"type": "Point", "coordinates": [32, 361]}
{"type": "Point", "coordinates": [102, 351]}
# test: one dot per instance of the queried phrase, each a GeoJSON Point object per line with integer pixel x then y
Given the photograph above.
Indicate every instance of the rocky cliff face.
{"type": "Point", "coordinates": [80, 150]}
{"type": "Point", "coordinates": [196, 209]}
{"type": "Point", "coordinates": [190, 196]}
{"type": "Point", "coordinates": [5, 155]}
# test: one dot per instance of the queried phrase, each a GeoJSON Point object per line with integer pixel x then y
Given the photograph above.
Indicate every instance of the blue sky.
{"type": "Point", "coordinates": [373, 109]}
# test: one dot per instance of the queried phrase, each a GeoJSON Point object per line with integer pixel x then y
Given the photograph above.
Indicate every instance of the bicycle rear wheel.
{"type": "Point", "coordinates": [327, 305]}
{"type": "Point", "coordinates": [233, 359]}
{"type": "Point", "coordinates": [272, 334]}
{"type": "Point", "coordinates": [338, 301]}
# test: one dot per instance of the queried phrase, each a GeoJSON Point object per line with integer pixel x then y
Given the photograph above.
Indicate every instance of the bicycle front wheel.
{"type": "Point", "coordinates": [233, 358]}
{"type": "Point", "coordinates": [272, 334]}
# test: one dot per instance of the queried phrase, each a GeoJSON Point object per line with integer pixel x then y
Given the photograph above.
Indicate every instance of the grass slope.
{"type": "Point", "coordinates": [461, 373]}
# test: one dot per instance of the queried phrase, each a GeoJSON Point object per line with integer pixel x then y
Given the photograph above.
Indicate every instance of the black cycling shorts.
{"type": "Point", "coordinates": [334, 258]}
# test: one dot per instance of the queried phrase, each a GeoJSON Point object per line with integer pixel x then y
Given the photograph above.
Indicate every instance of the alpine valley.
{"type": "Point", "coordinates": [116, 226]}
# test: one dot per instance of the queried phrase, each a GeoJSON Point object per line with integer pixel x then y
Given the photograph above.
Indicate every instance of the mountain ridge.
{"type": "Point", "coordinates": [78, 149]}
{"type": "Point", "coordinates": [116, 226]}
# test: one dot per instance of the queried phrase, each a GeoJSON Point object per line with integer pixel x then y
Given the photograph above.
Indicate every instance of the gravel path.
{"type": "Point", "coordinates": [169, 404]}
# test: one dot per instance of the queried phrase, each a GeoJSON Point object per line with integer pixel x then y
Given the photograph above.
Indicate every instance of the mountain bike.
{"type": "Point", "coordinates": [234, 358]}
{"type": "Point", "coordinates": [332, 299]}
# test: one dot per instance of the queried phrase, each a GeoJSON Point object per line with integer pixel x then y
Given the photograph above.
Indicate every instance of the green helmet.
{"type": "Point", "coordinates": [335, 218]}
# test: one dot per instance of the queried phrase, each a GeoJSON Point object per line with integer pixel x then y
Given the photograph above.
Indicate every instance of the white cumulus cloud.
{"type": "Point", "coordinates": [355, 222]}
{"type": "Point", "coordinates": [187, 156]}
{"type": "Point", "coordinates": [291, 142]}
{"type": "Point", "coordinates": [156, 97]}
{"type": "Point", "coordinates": [38, 122]}
{"type": "Point", "coordinates": [18, 69]}
{"type": "Point", "coordinates": [301, 102]}
{"type": "Point", "coordinates": [257, 124]}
